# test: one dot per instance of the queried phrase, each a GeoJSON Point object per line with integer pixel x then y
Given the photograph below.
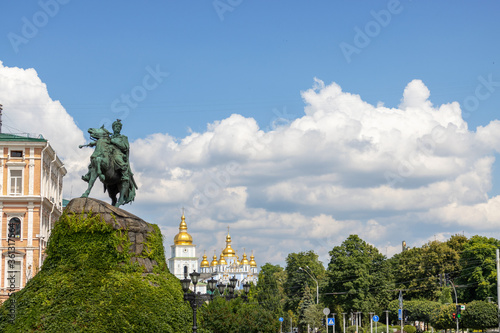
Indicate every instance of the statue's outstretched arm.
{"type": "Point", "coordinates": [92, 144]}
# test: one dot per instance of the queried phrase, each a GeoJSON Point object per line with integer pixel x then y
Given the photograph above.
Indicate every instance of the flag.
{"type": "Point", "coordinates": [400, 299]}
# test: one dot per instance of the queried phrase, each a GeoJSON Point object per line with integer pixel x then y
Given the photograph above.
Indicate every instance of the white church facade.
{"type": "Point", "coordinates": [228, 265]}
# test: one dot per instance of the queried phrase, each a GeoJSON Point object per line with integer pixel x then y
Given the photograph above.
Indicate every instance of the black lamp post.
{"type": "Point", "coordinates": [193, 297]}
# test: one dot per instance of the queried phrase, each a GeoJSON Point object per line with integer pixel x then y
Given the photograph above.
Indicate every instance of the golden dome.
{"type": "Point", "coordinates": [222, 261]}
{"type": "Point", "coordinates": [244, 261]}
{"type": "Point", "coordinates": [183, 238]}
{"type": "Point", "coordinates": [252, 261]}
{"type": "Point", "coordinates": [228, 251]}
{"type": "Point", "coordinates": [214, 261]}
{"type": "Point", "coordinates": [238, 262]}
{"type": "Point", "coordinates": [204, 262]}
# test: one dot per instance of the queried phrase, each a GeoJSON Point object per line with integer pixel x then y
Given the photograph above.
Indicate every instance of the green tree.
{"type": "Point", "coordinates": [300, 269]}
{"type": "Point", "coordinates": [359, 277]}
{"type": "Point", "coordinates": [478, 269]}
{"type": "Point", "coordinates": [269, 290]}
{"type": "Point", "coordinates": [310, 312]}
{"type": "Point", "coordinates": [457, 242]}
{"type": "Point", "coordinates": [236, 316]}
{"type": "Point", "coordinates": [421, 270]}
{"type": "Point", "coordinates": [443, 319]}
{"type": "Point", "coordinates": [418, 310]}
{"type": "Point", "coordinates": [480, 315]}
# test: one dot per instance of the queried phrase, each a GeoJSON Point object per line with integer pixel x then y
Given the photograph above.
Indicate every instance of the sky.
{"type": "Point", "coordinates": [295, 123]}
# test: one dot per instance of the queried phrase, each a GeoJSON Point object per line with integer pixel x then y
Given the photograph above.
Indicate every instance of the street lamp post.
{"type": "Point", "coordinates": [193, 297]}
{"type": "Point", "coordinates": [317, 285]}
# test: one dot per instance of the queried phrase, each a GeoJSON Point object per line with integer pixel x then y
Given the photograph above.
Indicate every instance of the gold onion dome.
{"type": "Point", "coordinates": [214, 261]}
{"type": "Point", "coordinates": [222, 261]}
{"type": "Point", "coordinates": [204, 262]}
{"type": "Point", "coordinates": [244, 261]}
{"type": "Point", "coordinates": [183, 238]}
{"type": "Point", "coordinates": [252, 261]}
{"type": "Point", "coordinates": [228, 251]}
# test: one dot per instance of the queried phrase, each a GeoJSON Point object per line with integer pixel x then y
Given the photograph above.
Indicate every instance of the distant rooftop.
{"type": "Point", "coordinates": [21, 137]}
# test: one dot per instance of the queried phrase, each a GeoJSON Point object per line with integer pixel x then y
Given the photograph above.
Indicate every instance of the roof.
{"type": "Point", "coordinates": [21, 137]}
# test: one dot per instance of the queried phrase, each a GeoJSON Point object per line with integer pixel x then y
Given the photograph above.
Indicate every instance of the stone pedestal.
{"type": "Point", "coordinates": [119, 219]}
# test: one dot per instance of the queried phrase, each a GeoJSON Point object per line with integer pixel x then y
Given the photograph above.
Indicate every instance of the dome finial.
{"type": "Point", "coordinates": [228, 251]}
{"type": "Point", "coordinates": [183, 238]}
{"type": "Point", "coordinates": [252, 261]}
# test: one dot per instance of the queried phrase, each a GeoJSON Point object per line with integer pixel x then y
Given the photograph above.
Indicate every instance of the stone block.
{"type": "Point", "coordinates": [139, 238]}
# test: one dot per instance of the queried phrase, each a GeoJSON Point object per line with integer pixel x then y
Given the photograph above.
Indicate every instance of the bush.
{"type": "Point", "coordinates": [352, 329]}
{"type": "Point", "coordinates": [409, 329]}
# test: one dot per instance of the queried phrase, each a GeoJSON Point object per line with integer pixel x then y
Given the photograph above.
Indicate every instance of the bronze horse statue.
{"type": "Point", "coordinates": [106, 163]}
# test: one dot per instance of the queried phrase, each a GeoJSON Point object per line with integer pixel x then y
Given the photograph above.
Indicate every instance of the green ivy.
{"type": "Point", "coordinates": [87, 284]}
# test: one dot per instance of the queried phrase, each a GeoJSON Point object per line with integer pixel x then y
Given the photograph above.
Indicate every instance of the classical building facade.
{"type": "Point", "coordinates": [31, 182]}
{"type": "Point", "coordinates": [183, 254]}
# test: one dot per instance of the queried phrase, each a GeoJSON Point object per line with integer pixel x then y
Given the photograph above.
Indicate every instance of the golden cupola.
{"type": "Point", "coordinates": [252, 261]}
{"type": "Point", "coordinates": [183, 238]}
{"type": "Point", "coordinates": [222, 261]}
{"type": "Point", "coordinates": [214, 261]}
{"type": "Point", "coordinates": [204, 263]}
{"type": "Point", "coordinates": [244, 261]}
{"type": "Point", "coordinates": [228, 251]}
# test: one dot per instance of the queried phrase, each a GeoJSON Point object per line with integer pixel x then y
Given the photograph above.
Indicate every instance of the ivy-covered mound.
{"type": "Point", "coordinates": [95, 278]}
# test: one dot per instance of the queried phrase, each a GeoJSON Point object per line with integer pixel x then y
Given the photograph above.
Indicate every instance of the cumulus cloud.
{"type": "Point", "coordinates": [28, 108]}
{"type": "Point", "coordinates": [342, 167]}
{"type": "Point", "coordinates": [345, 166]}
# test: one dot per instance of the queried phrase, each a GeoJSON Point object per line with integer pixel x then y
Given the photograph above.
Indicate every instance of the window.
{"type": "Point", "coordinates": [16, 153]}
{"type": "Point", "coordinates": [14, 228]}
{"type": "Point", "coordinates": [16, 182]}
{"type": "Point", "coordinates": [14, 274]}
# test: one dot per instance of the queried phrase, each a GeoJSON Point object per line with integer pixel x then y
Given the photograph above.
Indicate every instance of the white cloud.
{"type": "Point", "coordinates": [343, 167]}
{"type": "Point", "coordinates": [28, 108]}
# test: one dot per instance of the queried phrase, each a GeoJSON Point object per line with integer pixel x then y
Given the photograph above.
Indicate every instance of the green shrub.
{"type": "Point", "coordinates": [352, 329]}
{"type": "Point", "coordinates": [409, 329]}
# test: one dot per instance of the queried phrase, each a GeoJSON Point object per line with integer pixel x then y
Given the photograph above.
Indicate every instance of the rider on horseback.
{"type": "Point", "coordinates": [111, 153]}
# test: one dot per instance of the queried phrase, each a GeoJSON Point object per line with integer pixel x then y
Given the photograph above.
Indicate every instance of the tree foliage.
{"type": "Point", "coordinates": [443, 319]}
{"type": "Point", "coordinates": [269, 291]}
{"type": "Point", "coordinates": [301, 270]}
{"type": "Point", "coordinates": [359, 277]}
{"type": "Point", "coordinates": [421, 270]}
{"type": "Point", "coordinates": [478, 269]}
{"type": "Point", "coordinates": [236, 316]}
{"type": "Point", "coordinates": [480, 315]}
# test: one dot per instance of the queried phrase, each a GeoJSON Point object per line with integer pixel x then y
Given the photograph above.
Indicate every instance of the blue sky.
{"type": "Point", "coordinates": [254, 58]}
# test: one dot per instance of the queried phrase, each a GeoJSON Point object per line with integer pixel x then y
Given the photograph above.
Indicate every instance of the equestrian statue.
{"type": "Point", "coordinates": [110, 163]}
